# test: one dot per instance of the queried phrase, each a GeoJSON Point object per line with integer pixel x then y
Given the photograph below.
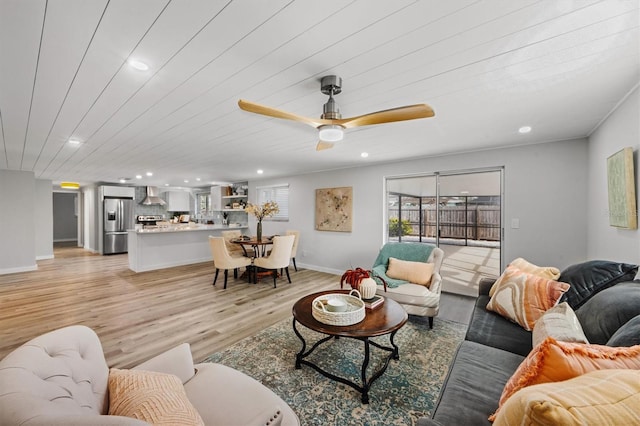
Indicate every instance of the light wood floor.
{"type": "Point", "coordinates": [140, 315]}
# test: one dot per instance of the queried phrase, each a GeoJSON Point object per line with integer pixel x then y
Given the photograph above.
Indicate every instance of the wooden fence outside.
{"type": "Point", "coordinates": [479, 222]}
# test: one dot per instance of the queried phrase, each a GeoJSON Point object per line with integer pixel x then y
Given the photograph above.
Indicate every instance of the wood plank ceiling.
{"type": "Point", "coordinates": [486, 67]}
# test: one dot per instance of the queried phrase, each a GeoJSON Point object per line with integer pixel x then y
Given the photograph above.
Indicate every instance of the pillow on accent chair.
{"type": "Point", "coordinates": [414, 272]}
{"type": "Point", "coordinates": [553, 361]}
{"type": "Point", "coordinates": [588, 278]}
{"type": "Point", "coordinates": [605, 397]}
{"type": "Point", "coordinates": [561, 323]}
{"type": "Point", "coordinates": [548, 272]}
{"type": "Point", "coordinates": [156, 398]}
{"type": "Point", "coordinates": [523, 298]}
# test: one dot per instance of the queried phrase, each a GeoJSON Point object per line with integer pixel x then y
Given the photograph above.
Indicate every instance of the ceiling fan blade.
{"type": "Point", "coordinates": [322, 145]}
{"type": "Point", "coordinates": [272, 112]}
{"type": "Point", "coordinates": [409, 112]}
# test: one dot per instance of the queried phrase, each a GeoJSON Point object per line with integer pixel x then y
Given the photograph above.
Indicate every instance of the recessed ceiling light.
{"type": "Point", "coordinates": [186, 181]}
{"type": "Point", "coordinates": [364, 155]}
{"type": "Point", "coordinates": [260, 171]}
{"type": "Point", "coordinates": [74, 142]}
{"type": "Point", "coordinates": [139, 65]}
{"type": "Point", "coordinates": [149, 174]}
{"type": "Point", "coordinates": [123, 180]}
{"type": "Point", "coordinates": [166, 184]}
{"type": "Point", "coordinates": [138, 176]}
{"type": "Point", "coordinates": [198, 179]}
{"type": "Point", "coordinates": [524, 129]}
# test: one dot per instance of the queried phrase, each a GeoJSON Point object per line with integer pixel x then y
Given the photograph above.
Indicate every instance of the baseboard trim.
{"type": "Point", "coordinates": [44, 257]}
{"type": "Point", "coordinates": [320, 269]}
{"type": "Point", "coordinates": [20, 269]}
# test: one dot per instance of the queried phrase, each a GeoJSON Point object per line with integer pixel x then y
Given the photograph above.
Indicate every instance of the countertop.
{"type": "Point", "coordinates": [186, 227]}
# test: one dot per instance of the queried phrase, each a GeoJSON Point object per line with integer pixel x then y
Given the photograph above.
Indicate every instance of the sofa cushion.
{"type": "Point", "coordinates": [554, 361]}
{"type": "Point", "coordinates": [561, 323]}
{"type": "Point", "coordinates": [627, 335]}
{"type": "Point", "coordinates": [604, 397]}
{"type": "Point", "coordinates": [523, 298]}
{"type": "Point", "coordinates": [412, 294]}
{"type": "Point", "coordinates": [157, 398]}
{"type": "Point", "coordinates": [491, 329]}
{"type": "Point", "coordinates": [414, 272]}
{"type": "Point", "coordinates": [603, 314]}
{"type": "Point", "coordinates": [589, 278]}
{"type": "Point", "coordinates": [548, 272]}
{"type": "Point", "coordinates": [474, 383]}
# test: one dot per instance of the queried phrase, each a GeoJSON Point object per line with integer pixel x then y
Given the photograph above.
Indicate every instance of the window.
{"type": "Point", "coordinates": [279, 194]}
{"type": "Point", "coordinates": [203, 203]}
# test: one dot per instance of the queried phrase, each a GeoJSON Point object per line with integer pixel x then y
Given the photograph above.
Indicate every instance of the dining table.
{"type": "Point", "coordinates": [259, 246]}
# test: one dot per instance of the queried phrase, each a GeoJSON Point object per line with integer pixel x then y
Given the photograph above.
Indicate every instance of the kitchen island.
{"type": "Point", "coordinates": [175, 245]}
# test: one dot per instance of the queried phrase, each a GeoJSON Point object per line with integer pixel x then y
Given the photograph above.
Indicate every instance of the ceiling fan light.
{"type": "Point", "coordinates": [331, 132]}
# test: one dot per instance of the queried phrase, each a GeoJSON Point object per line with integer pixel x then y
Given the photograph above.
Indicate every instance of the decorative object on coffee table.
{"type": "Point", "coordinates": [361, 280]}
{"type": "Point", "coordinates": [268, 209]}
{"type": "Point", "coordinates": [352, 308]}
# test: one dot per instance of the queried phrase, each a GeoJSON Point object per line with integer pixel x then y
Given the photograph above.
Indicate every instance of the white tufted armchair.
{"type": "Point", "coordinates": [60, 378]}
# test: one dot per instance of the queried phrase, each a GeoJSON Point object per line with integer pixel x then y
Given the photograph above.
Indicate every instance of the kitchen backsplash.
{"type": "Point", "coordinates": [141, 209]}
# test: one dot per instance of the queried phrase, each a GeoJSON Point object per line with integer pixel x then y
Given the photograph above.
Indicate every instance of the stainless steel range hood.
{"type": "Point", "coordinates": [152, 197]}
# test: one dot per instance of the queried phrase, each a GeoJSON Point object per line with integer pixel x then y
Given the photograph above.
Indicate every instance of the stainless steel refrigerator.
{"type": "Point", "coordinates": [118, 217]}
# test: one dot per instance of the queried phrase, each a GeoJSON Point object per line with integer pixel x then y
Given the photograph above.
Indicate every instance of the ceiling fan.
{"type": "Point", "coordinates": [331, 125]}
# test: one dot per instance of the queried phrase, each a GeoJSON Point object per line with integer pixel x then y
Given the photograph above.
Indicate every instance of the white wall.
{"type": "Point", "coordinates": [545, 188]}
{"type": "Point", "coordinates": [18, 244]}
{"type": "Point", "coordinates": [621, 129]}
{"type": "Point", "coordinates": [43, 219]}
{"type": "Point", "coordinates": [90, 218]}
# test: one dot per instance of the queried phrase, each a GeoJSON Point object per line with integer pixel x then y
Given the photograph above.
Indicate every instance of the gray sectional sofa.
{"type": "Point", "coordinates": [607, 303]}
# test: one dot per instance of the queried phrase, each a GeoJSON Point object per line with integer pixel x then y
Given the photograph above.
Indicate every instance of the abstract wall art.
{"type": "Point", "coordinates": [621, 190]}
{"type": "Point", "coordinates": [334, 209]}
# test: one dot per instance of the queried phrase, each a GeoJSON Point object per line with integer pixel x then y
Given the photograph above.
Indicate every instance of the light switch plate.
{"type": "Point", "coordinates": [515, 223]}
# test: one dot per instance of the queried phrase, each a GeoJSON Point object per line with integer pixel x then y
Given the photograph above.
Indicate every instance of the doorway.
{"type": "Point", "coordinates": [65, 217]}
{"type": "Point", "coordinates": [460, 212]}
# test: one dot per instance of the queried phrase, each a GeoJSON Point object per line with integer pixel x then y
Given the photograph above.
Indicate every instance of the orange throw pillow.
{"type": "Point", "coordinates": [523, 298]}
{"type": "Point", "coordinates": [553, 361]}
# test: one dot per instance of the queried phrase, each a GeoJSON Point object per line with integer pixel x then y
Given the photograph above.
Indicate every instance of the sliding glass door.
{"type": "Point", "coordinates": [460, 212]}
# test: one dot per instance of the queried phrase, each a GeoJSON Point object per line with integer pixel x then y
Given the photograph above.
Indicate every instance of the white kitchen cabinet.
{"type": "Point", "coordinates": [178, 201]}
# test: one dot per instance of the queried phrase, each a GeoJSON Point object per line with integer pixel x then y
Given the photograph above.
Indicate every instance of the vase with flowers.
{"type": "Point", "coordinates": [267, 209]}
{"type": "Point", "coordinates": [362, 280]}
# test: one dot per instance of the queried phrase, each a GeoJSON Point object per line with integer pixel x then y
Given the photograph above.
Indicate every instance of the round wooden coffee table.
{"type": "Point", "coordinates": [386, 319]}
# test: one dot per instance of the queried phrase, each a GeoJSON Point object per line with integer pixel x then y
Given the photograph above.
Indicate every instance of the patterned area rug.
{"type": "Point", "coordinates": [405, 392]}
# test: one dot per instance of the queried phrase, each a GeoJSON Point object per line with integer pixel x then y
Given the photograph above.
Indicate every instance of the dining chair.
{"type": "Point", "coordinates": [278, 259]}
{"type": "Point", "coordinates": [235, 250]}
{"type": "Point", "coordinates": [223, 260]}
{"type": "Point", "coordinates": [294, 249]}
